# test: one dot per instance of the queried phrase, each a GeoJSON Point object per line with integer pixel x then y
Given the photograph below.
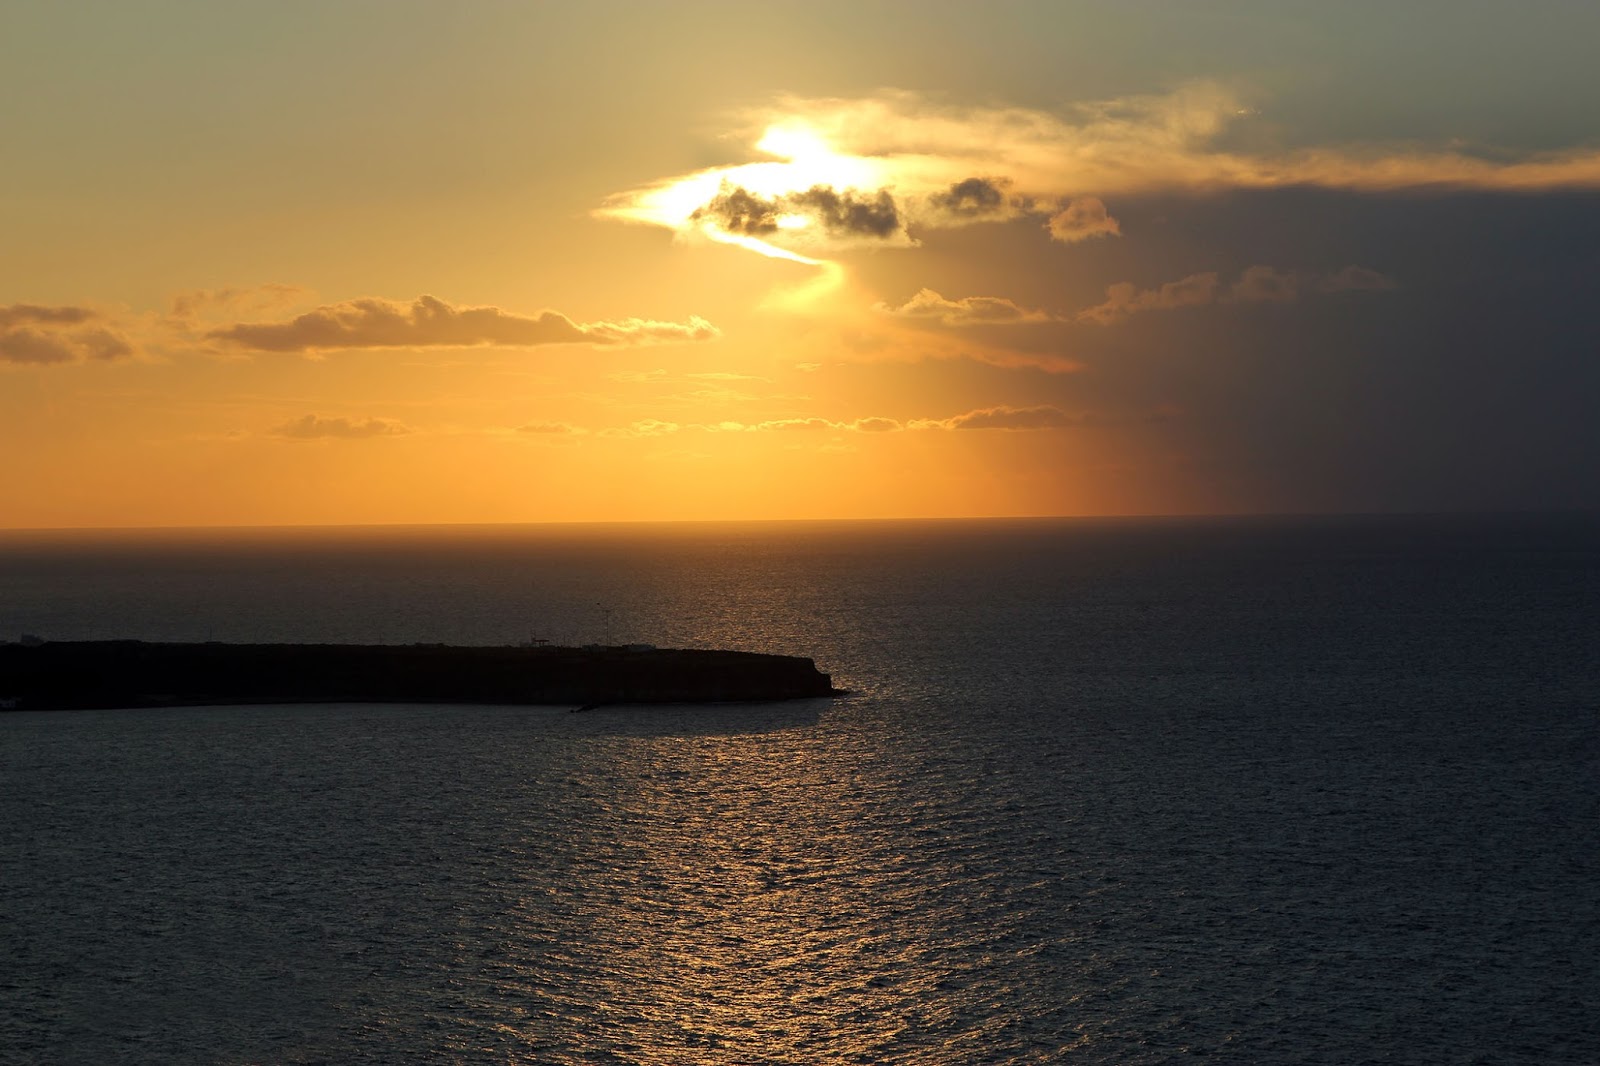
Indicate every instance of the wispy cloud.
{"type": "Point", "coordinates": [1255, 285]}
{"type": "Point", "coordinates": [193, 304]}
{"type": "Point", "coordinates": [996, 418]}
{"type": "Point", "coordinates": [428, 322]}
{"type": "Point", "coordinates": [644, 427]}
{"type": "Point", "coordinates": [967, 311]}
{"type": "Point", "coordinates": [316, 427]}
{"type": "Point", "coordinates": [1134, 144]}
{"type": "Point", "coordinates": [725, 375]}
{"type": "Point", "coordinates": [550, 429]}
{"type": "Point", "coordinates": [1018, 418]}
{"type": "Point", "coordinates": [38, 335]}
{"type": "Point", "coordinates": [1124, 298]}
{"type": "Point", "coordinates": [1357, 279]}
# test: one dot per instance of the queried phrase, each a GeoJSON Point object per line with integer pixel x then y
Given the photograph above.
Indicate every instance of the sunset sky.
{"type": "Point", "coordinates": [355, 262]}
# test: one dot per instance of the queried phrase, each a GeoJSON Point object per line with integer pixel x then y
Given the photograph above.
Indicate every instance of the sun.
{"type": "Point", "coordinates": [801, 159]}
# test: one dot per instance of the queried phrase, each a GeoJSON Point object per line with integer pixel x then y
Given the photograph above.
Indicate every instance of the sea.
{"type": "Point", "coordinates": [1247, 790]}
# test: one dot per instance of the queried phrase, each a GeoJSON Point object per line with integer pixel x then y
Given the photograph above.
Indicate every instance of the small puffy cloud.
{"type": "Point", "coordinates": [1124, 298]}
{"type": "Point", "coordinates": [429, 322]}
{"type": "Point", "coordinates": [975, 200]}
{"type": "Point", "coordinates": [876, 424]}
{"type": "Point", "coordinates": [738, 210]}
{"type": "Point", "coordinates": [1082, 219]}
{"type": "Point", "coordinates": [967, 311]}
{"type": "Point", "coordinates": [839, 213]}
{"type": "Point", "coordinates": [36, 335]}
{"type": "Point", "coordinates": [1002, 417]}
{"type": "Point", "coordinates": [1357, 279]}
{"type": "Point", "coordinates": [850, 213]}
{"type": "Point", "coordinates": [316, 427]}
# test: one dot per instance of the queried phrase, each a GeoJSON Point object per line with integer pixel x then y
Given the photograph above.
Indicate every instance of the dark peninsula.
{"type": "Point", "coordinates": [58, 675]}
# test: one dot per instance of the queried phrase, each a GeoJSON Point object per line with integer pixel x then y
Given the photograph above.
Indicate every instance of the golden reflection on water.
{"type": "Point", "coordinates": [740, 935]}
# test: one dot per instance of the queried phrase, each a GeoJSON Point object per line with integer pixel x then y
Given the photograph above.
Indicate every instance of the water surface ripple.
{"type": "Point", "coordinates": [1298, 792]}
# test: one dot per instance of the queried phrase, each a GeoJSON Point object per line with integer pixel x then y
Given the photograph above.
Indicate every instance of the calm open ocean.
{"type": "Point", "coordinates": [1269, 791]}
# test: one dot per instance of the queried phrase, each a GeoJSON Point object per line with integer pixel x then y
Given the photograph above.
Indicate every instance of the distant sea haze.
{"type": "Point", "coordinates": [1311, 790]}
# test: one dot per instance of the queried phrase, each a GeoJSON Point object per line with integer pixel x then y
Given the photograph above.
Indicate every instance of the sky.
{"type": "Point", "coordinates": [292, 263]}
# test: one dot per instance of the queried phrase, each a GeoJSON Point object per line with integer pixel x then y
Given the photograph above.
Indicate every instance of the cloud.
{"type": "Point", "coordinates": [37, 335]}
{"type": "Point", "coordinates": [846, 169]}
{"type": "Point", "coordinates": [1264, 284]}
{"type": "Point", "coordinates": [1138, 144]}
{"type": "Point", "coordinates": [429, 322]}
{"type": "Point", "coordinates": [647, 427]}
{"type": "Point", "coordinates": [792, 425]}
{"type": "Point", "coordinates": [315, 427]}
{"type": "Point", "coordinates": [1082, 219]}
{"type": "Point", "coordinates": [638, 377]}
{"type": "Point", "coordinates": [1000, 417]}
{"type": "Point", "coordinates": [874, 424]}
{"type": "Point", "coordinates": [850, 213]}
{"type": "Point", "coordinates": [1017, 418]}
{"type": "Point", "coordinates": [1124, 299]}
{"type": "Point", "coordinates": [552, 429]}
{"type": "Point", "coordinates": [738, 210]}
{"type": "Point", "coordinates": [726, 375]}
{"type": "Point", "coordinates": [839, 213]}
{"type": "Point", "coordinates": [1357, 279]}
{"type": "Point", "coordinates": [974, 196]}
{"type": "Point", "coordinates": [648, 331]}
{"type": "Point", "coordinates": [194, 303]}
{"type": "Point", "coordinates": [975, 200]}
{"type": "Point", "coordinates": [1257, 284]}
{"type": "Point", "coordinates": [35, 314]}
{"type": "Point", "coordinates": [967, 311]}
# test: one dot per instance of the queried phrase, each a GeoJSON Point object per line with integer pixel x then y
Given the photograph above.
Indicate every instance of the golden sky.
{"type": "Point", "coordinates": [300, 264]}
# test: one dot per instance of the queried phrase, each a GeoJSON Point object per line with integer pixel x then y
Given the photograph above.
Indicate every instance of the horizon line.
{"type": "Point", "coordinates": [286, 527]}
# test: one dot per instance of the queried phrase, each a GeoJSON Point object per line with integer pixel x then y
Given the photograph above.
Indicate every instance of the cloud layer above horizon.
{"type": "Point", "coordinates": [879, 169]}
{"type": "Point", "coordinates": [1075, 278]}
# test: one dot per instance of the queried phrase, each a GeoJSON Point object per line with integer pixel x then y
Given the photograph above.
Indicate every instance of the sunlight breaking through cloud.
{"type": "Point", "coordinates": [872, 171]}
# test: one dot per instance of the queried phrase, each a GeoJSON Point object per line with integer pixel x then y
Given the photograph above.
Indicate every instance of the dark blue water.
{"type": "Point", "coordinates": [1299, 791]}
